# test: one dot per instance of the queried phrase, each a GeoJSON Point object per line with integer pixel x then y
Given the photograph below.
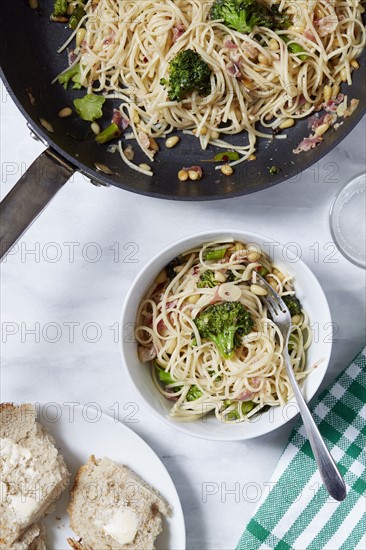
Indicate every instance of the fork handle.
{"type": "Point", "coordinates": [329, 472]}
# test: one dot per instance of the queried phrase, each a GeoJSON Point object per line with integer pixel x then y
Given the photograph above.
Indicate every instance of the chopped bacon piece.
{"type": "Point", "coordinates": [146, 353]}
{"type": "Point", "coordinates": [327, 24]}
{"type": "Point", "coordinates": [315, 121]}
{"type": "Point", "coordinates": [309, 35]}
{"type": "Point", "coordinates": [110, 39]}
{"type": "Point", "coordinates": [330, 106]}
{"type": "Point", "coordinates": [307, 143]}
{"type": "Point", "coordinates": [248, 394]}
{"type": "Point", "coordinates": [161, 326]}
{"type": "Point", "coordinates": [172, 304]}
{"type": "Point", "coordinates": [178, 30]}
{"type": "Point", "coordinates": [230, 45]}
{"type": "Point", "coordinates": [145, 140]}
{"type": "Point", "coordinates": [250, 50]}
{"type": "Point", "coordinates": [233, 69]}
{"type": "Point", "coordinates": [118, 119]}
{"type": "Point", "coordinates": [71, 55]}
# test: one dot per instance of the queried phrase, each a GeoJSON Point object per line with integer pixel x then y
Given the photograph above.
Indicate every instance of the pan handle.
{"type": "Point", "coordinates": [30, 195]}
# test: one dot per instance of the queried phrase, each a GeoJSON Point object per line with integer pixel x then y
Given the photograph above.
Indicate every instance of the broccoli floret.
{"type": "Point", "coordinates": [293, 304]}
{"type": "Point", "coordinates": [241, 15]}
{"type": "Point", "coordinates": [224, 324]}
{"type": "Point", "coordinates": [244, 15]}
{"type": "Point", "coordinates": [60, 7]}
{"type": "Point", "coordinates": [207, 280]}
{"type": "Point", "coordinates": [187, 72]}
{"type": "Point", "coordinates": [193, 393]}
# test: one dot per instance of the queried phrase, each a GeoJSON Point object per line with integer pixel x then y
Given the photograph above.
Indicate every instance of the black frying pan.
{"type": "Point", "coordinates": [28, 44]}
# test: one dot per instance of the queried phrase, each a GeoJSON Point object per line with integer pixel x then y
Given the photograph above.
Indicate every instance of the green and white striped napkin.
{"type": "Point", "coordinates": [298, 513]}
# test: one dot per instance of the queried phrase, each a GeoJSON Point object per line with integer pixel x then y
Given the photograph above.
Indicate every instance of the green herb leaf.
{"type": "Point", "coordinates": [89, 107]}
{"type": "Point", "coordinates": [226, 156]}
{"type": "Point", "coordinates": [194, 393]}
{"type": "Point", "coordinates": [273, 170]}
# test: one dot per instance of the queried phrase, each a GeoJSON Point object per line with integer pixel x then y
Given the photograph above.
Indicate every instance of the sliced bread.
{"type": "Point", "coordinates": [33, 474]}
{"type": "Point", "coordinates": [112, 508]}
{"type": "Point", "coordinates": [34, 538]}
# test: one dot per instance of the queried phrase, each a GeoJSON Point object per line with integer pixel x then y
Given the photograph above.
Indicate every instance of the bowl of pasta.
{"type": "Point", "coordinates": [200, 347]}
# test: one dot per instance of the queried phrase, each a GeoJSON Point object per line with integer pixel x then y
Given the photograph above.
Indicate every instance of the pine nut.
{"type": "Point", "coordinates": [263, 59]}
{"type": "Point", "coordinates": [47, 125]}
{"type": "Point", "coordinates": [226, 169]}
{"type": "Point", "coordinates": [327, 92]}
{"type": "Point", "coordinates": [272, 283]}
{"type": "Point", "coordinates": [145, 166]}
{"type": "Point", "coordinates": [279, 275]}
{"type": "Point", "coordinates": [307, 106]}
{"type": "Point", "coordinates": [95, 128]}
{"type": "Point", "coordinates": [335, 90]}
{"type": "Point", "coordinates": [254, 256]}
{"type": "Point", "coordinates": [355, 64]}
{"type": "Point", "coordinates": [298, 28]}
{"type": "Point", "coordinates": [273, 45]}
{"type": "Point", "coordinates": [288, 123]}
{"type": "Point", "coordinates": [135, 118]}
{"type": "Point", "coordinates": [161, 277]}
{"type": "Point", "coordinates": [193, 175]}
{"type": "Point", "coordinates": [296, 319]}
{"type": "Point", "coordinates": [172, 141]}
{"type": "Point", "coordinates": [65, 112]}
{"type": "Point", "coordinates": [202, 132]}
{"type": "Point", "coordinates": [183, 175]}
{"type": "Point", "coordinates": [258, 290]}
{"type": "Point", "coordinates": [215, 135]}
{"type": "Point", "coordinates": [239, 247]}
{"type": "Point", "coordinates": [194, 299]}
{"type": "Point", "coordinates": [321, 129]}
{"type": "Point", "coordinates": [220, 277]}
{"type": "Point", "coordinates": [153, 144]}
{"type": "Point", "coordinates": [252, 157]}
{"type": "Point", "coordinates": [80, 35]}
{"type": "Point", "coordinates": [343, 74]}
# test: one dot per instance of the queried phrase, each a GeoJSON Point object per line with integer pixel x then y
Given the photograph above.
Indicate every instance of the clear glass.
{"type": "Point", "coordinates": [348, 220]}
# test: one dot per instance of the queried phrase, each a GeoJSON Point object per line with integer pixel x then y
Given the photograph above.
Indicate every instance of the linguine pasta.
{"type": "Point", "coordinates": [255, 78]}
{"type": "Point", "coordinates": [188, 369]}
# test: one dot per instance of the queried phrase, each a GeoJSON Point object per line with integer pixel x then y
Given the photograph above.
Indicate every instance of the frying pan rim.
{"type": "Point", "coordinates": [104, 180]}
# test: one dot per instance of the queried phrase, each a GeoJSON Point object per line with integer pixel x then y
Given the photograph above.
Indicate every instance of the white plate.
{"type": "Point", "coordinates": [80, 432]}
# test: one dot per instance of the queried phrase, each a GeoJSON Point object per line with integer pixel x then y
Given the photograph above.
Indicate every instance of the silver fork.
{"type": "Point", "coordinates": [330, 475]}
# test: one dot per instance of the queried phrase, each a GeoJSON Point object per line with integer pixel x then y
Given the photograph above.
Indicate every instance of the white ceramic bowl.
{"type": "Point", "coordinates": [311, 296]}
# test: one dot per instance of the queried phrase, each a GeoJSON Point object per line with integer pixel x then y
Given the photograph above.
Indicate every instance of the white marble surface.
{"type": "Point", "coordinates": [46, 295]}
